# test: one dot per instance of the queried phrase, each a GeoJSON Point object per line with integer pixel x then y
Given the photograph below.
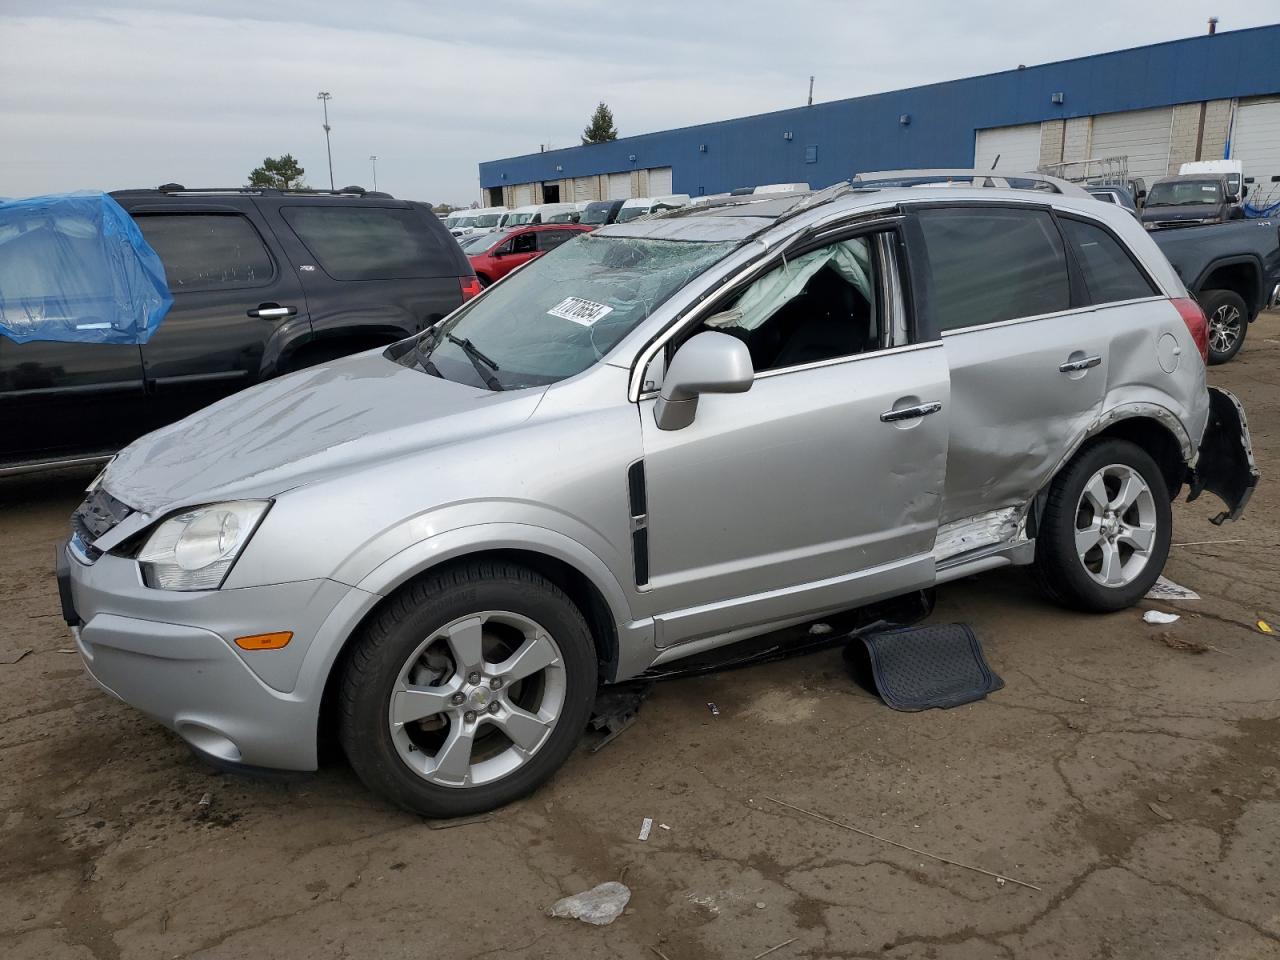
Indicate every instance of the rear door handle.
{"type": "Point", "coordinates": [911, 413]}
{"type": "Point", "coordinates": [1084, 363]}
{"type": "Point", "coordinates": [267, 311]}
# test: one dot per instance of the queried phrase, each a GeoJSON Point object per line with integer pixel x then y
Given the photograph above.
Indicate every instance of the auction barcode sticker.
{"type": "Point", "coordinates": [585, 312]}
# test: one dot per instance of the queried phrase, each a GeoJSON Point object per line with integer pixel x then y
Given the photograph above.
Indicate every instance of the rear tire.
{"type": "Point", "coordinates": [1104, 533]}
{"type": "Point", "coordinates": [441, 709]}
{"type": "Point", "coordinates": [1228, 323]}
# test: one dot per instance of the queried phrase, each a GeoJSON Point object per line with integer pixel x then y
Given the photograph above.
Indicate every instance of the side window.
{"type": "Point", "coordinates": [1109, 272]}
{"type": "Point", "coordinates": [989, 265]}
{"type": "Point", "coordinates": [207, 251]}
{"type": "Point", "coordinates": [820, 305]}
{"type": "Point", "coordinates": [550, 239]}
{"type": "Point", "coordinates": [369, 243]}
{"type": "Point", "coordinates": [525, 243]}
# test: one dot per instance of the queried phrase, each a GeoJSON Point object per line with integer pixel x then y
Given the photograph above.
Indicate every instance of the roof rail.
{"type": "Point", "coordinates": [177, 189]}
{"type": "Point", "coordinates": [1004, 180]}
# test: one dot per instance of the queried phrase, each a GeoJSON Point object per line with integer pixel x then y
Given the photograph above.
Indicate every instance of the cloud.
{"type": "Point", "coordinates": [99, 97]}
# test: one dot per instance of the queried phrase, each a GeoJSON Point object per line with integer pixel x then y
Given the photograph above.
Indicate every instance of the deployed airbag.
{"type": "Point", "coordinates": [75, 268]}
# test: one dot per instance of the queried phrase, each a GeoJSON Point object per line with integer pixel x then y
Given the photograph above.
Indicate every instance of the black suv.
{"type": "Point", "coordinates": [264, 282]}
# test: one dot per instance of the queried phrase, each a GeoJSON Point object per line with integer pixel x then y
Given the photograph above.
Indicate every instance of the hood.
{"type": "Point", "coordinates": [1198, 211]}
{"type": "Point", "coordinates": [352, 413]}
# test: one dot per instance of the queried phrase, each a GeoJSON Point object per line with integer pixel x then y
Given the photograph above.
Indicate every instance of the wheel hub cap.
{"type": "Point", "coordinates": [1115, 527]}
{"type": "Point", "coordinates": [477, 699]}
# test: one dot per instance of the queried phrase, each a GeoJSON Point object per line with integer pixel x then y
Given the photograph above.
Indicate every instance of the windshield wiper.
{"type": "Point", "coordinates": [478, 360]}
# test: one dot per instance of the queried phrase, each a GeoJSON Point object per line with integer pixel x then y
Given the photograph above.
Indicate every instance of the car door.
{"type": "Point", "coordinates": [1028, 356]}
{"type": "Point", "coordinates": [234, 302]}
{"type": "Point", "coordinates": [817, 489]}
{"type": "Point", "coordinates": [517, 251]}
{"type": "Point", "coordinates": [64, 400]}
{"type": "Point", "coordinates": [373, 270]}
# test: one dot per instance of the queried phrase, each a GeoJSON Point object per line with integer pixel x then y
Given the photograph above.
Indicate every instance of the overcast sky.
{"type": "Point", "coordinates": [98, 95]}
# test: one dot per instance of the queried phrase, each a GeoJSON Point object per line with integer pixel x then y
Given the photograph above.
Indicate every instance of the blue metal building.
{"type": "Point", "coordinates": [1200, 90]}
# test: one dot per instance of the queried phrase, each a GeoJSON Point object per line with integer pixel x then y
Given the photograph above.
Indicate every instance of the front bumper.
{"type": "Point", "coordinates": [172, 656]}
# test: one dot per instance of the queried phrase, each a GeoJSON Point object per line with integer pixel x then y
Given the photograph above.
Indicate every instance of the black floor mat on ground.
{"type": "Point", "coordinates": [916, 668]}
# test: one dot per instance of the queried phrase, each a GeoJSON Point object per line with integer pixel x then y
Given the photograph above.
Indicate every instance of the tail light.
{"type": "Point", "coordinates": [1195, 320]}
{"type": "Point", "coordinates": [471, 287]}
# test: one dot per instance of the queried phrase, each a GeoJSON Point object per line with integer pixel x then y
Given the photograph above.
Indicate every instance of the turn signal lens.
{"type": "Point", "coordinates": [1195, 320]}
{"type": "Point", "coordinates": [265, 641]}
{"type": "Point", "coordinates": [470, 287]}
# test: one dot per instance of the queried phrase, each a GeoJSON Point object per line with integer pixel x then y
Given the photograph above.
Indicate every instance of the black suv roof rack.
{"type": "Point", "coordinates": [177, 189]}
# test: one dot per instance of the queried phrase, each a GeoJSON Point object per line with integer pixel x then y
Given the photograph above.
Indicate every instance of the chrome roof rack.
{"type": "Point", "coordinates": [959, 177]}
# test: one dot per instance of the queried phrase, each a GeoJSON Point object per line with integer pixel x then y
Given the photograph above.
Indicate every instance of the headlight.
{"type": "Point", "coordinates": [195, 549]}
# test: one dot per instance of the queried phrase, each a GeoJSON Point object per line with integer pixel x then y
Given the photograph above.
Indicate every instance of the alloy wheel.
{"type": "Point", "coordinates": [1115, 529]}
{"type": "Point", "coordinates": [477, 699]}
{"type": "Point", "coordinates": [1224, 328]}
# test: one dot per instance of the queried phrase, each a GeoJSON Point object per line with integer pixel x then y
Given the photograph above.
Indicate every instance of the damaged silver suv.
{"type": "Point", "coordinates": [664, 436]}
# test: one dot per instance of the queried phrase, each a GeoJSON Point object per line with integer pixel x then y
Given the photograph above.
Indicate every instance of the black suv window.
{"type": "Point", "coordinates": [1109, 272]}
{"type": "Point", "coordinates": [207, 251]}
{"type": "Point", "coordinates": [369, 243]}
{"type": "Point", "coordinates": [989, 265]}
{"type": "Point", "coordinates": [524, 243]}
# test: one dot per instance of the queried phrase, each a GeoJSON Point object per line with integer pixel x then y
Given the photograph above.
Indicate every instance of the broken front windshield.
{"type": "Point", "coordinates": [562, 313]}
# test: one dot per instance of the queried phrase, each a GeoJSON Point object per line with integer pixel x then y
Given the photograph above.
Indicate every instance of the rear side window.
{"type": "Point", "coordinates": [550, 239]}
{"type": "Point", "coordinates": [990, 265]}
{"type": "Point", "coordinates": [1109, 272]}
{"type": "Point", "coordinates": [369, 243]}
{"type": "Point", "coordinates": [207, 251]}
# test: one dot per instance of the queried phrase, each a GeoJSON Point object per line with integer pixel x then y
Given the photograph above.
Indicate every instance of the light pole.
{"type": "Point", "coordinates": [324, 97]}
{"type": "Point", "coordinates": [374, 160]}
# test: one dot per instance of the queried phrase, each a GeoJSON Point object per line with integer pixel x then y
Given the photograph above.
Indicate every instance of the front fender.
{"type": "Point", "coordinates": [464, 541]}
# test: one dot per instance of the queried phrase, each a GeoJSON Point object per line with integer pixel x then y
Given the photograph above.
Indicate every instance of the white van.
{"type": "Point", "coordinates": [640, 206]}
{"type": "Point", "coordinates": [475, 221]}
{"type": "Point", "coordinates": [537, 213]}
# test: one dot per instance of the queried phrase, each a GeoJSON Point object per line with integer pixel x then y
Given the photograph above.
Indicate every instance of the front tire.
{"type": "Point", "coordinates": [1228, 323]}
{"type": "Point", "coordinates": [468, 690]}
{"type": "Point", "coordinates": [1104, 534]}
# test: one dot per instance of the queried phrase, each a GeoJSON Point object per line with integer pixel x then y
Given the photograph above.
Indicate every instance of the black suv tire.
{"type": "Point", "coordinates": [1225, 307]}
{"type": "Point", "coordinates": [382, 653]}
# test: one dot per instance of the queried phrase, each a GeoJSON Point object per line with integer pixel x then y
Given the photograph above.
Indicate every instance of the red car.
{"type": "Point", "coordinates": [506, 250]}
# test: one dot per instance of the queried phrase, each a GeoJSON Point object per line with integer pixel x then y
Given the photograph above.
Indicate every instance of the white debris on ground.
{"type": "Point", "coordinates": [600, 905]}
{"type": "Point", "coordinates": [1159, 616]}
{"type": "Point", "coordinates": [1166, 589]}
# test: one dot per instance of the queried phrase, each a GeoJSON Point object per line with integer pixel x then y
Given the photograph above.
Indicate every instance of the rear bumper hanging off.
{"type": "Point", "coordinates": [1225, 464]}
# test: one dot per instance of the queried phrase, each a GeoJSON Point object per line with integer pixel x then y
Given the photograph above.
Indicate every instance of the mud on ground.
{"type": "Point", "coordinates": [1130, 777]}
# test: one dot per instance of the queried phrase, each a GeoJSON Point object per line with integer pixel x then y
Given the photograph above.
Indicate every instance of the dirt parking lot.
{"type": "Point", "coordinates": [1128, 771]}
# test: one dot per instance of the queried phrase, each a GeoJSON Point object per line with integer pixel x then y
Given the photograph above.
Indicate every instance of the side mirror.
{"type": "Point", "coordinates": [708, 363]}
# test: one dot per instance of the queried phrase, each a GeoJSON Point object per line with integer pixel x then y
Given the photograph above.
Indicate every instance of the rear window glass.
{"type": "Point", "coordinates": [993, 265]}
{"type": "Point", "coordinates": [207, 251]}
{"type": "Point", "coordinates": [1108, 271]}
{"type": "Point", "coordinates": [369, 243]}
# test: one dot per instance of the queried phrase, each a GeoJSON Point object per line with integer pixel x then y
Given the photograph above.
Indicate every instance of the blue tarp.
{"type": "Point", "coordinates": [75, 268]}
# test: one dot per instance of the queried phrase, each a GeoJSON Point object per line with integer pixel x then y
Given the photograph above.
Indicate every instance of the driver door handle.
{"type": "Point", "coordinates": [1084, 363]}
{"type": "Point", "coordinates": [910, 413]}
{"type": "Point", "coordinates": [268, 311]}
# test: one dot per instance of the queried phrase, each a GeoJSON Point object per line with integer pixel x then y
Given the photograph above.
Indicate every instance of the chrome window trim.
{"type": "Point", "coordinates": [1074, 311]}
{"type": "Point", "coordinates": [760, 265]}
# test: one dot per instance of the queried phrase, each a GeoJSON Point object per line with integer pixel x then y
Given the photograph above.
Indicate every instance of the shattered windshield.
{"type": "Point", "coordinates": [562, 313]}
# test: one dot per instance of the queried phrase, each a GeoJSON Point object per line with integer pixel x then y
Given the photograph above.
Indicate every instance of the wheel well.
{"type": "Point", "coordinates": [580, 589]}
{"type": "Point", "coordinates": [1158, 441]}
{"type": "Point", "coordinates": [1240, 278]}
{"type": "Point", "coordinates": [481, 275]}
{"type": "Point", "coordinates": [337, 345]}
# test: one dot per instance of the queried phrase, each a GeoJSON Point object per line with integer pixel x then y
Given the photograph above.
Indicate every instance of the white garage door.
{"type": "Point", "coordinates": [1140, 135]}
{"type": "Point", "coordinates": [1255, 142]}
{"type": "Point", "coordinates": [523, 193]}
{"type": "Point", "coordinates": [582, 189]}
{"type": "Point", "coordinates": [619, 186]}
{"type": "Point", "coordinates": [1008, 149]}
{"type": "Point", "coordinates": [659, 181]}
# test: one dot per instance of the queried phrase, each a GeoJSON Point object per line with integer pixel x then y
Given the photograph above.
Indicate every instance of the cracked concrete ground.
{"type": "Point", "coordinates": [1136, 784]}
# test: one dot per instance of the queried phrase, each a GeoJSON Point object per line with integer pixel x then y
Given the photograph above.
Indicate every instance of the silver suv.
{"type": "Point", "coordinates": [665, 436]}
